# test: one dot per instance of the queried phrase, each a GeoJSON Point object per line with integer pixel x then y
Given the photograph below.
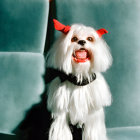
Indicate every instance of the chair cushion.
{"type": "Point", "coordinates": [23, 25]}
{"type": "Point", "coordinates": [124, 133]}
{"type": "Point", "coordinates": [21, 84]}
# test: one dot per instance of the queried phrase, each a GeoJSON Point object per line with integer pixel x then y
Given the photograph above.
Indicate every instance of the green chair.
{"type": "Point", "coordinates": [23, 26]}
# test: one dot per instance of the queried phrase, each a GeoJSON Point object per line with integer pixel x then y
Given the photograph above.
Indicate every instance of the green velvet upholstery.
{"type": "Point", "coordinates": [23, 27]}
{"type": "Point", "coordinates": [124, 133]}
{"type": "Point", "coordinates": [21, 84]}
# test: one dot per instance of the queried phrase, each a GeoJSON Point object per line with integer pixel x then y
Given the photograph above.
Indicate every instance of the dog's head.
{"type": "Point", "coordinates": [80, 50]}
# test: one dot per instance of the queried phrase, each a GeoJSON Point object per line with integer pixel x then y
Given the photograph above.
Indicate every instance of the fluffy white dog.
{"type": "Point", "coordinates": [79, 92]}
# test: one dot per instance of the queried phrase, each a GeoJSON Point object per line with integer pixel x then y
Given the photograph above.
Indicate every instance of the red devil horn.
{"type": "Point", "coordinates": [60, 27]}
{"type": "Point", "coordinates": [102, 31]}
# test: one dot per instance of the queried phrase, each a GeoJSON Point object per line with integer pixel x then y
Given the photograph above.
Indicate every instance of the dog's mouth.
{"type": "Point", "coordinates": [81, 55]}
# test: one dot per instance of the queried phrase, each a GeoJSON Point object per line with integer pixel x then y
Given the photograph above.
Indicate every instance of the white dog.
{"type": "Point", "coordinates": [79, 92]}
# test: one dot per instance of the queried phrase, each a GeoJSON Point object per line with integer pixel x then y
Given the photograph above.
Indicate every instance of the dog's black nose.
{"type": "Point", "coordinates": [82, 42]}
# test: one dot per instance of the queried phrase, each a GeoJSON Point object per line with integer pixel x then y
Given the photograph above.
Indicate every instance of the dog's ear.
{"type": "Point", "coordinates": [102, 31]}
{"type": "Point", "coordinates": [60, 27]}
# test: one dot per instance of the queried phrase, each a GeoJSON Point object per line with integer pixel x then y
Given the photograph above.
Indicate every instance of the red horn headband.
{"type": "Point", "coordinates": [60, 27]}
{"type": "Point", "coordinates": [102, 31]}
{"type": "Point", "coordinates": [65, 29]}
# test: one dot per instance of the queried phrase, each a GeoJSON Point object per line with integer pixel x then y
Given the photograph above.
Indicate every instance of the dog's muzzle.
{"type": "Point", "coordinates": [81, 55]}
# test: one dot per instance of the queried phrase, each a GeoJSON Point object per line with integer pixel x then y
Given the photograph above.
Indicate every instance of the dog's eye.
{"type": "Point", "coordinates": [91, 39]}
{"type": "Point", "coordinates": [74, 39]}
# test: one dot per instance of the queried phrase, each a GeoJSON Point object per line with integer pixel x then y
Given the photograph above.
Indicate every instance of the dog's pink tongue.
{"type": "Point", "coordinates": [81, 54]}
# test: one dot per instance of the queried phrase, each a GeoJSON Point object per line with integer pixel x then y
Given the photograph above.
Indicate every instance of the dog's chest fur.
{"type": "Point", "coordinates": [80, 104]}
{"type": "Point", "coordinates": [76, 101]}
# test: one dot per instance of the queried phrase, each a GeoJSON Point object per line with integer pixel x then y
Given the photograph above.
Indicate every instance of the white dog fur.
{"type": "Point", "coordinates": [82, 105]}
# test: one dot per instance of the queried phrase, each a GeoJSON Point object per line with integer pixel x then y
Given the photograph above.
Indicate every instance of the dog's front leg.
{"type": "Point", "coordinates": [60, 129]}
{"type": "Point", "coordinates": [94, 128]}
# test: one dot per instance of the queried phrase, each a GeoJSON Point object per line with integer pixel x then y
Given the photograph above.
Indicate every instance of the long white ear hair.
{"type": "Point", "coordinates": [102, 56]}
{"type": "Point", "coordinates": [59, 56]}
